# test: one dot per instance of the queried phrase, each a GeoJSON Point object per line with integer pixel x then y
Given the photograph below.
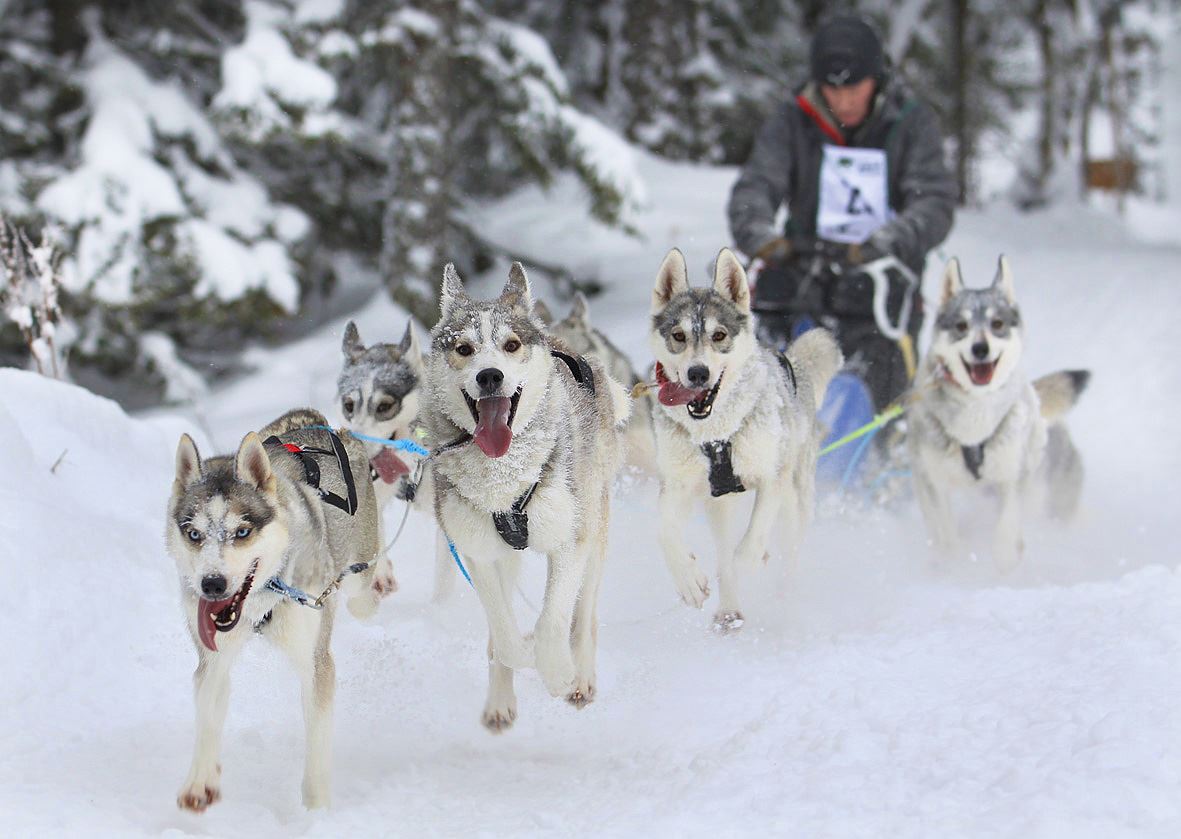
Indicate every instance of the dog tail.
{"type": "Point", "coordinates": [817, 354]}
{"type": "Point", "coordinates": [1058, 392]}
{"type": "Point", "coordinates": [621, 400]}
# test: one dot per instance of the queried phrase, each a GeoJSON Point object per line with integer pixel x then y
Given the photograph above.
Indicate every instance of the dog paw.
{"type": "Point", "coordinates": [692, 585]}
{"type": "Point", "coordinates": [384, 582]}
{"type": "Point", "coordinates": [197, 795]}
{"type": "Point", "coordinates": [582, 695]}
{"type": "Point", "coordinates": [499, 719]}
{"type": "Point", "coordinates": [727, 623]}
{"type": "Point", "coordinates": [363, 605]}
{"type": "Point", "coordinates": [1008, 555]}
{"type": "Point", "coordinates": [556, 666]}
{"type": "Point", "coordinates": [316, 795]}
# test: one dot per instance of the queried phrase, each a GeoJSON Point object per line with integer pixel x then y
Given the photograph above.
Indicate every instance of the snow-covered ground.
{"type": "Point", "coordinates": [869, 694]}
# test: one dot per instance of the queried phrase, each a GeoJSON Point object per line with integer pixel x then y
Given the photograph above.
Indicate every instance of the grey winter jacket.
{"type": "Point", "coordinates": [784, 167]}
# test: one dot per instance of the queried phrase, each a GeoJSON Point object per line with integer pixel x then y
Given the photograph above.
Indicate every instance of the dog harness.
{"type": "Point", "coordinates": [973, 459]}
{"type": "Point", "coordinates": [311, 469]}
{"type": "Point", "coordinates": [720, 454]}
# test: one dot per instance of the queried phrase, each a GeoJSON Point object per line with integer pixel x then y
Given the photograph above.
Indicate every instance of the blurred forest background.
{"type": "Point", "coordinates": [190, 176]}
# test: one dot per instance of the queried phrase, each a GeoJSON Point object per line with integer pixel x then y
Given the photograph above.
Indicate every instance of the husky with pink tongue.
{"type": "Point", "coordinates": [979, 423]}
{"type": "Point", "coordinates": [237, 523]}
{"type": "Point", "coordinates": [528, 440]}
{"type": "Point", "coordinates": [380, 395]}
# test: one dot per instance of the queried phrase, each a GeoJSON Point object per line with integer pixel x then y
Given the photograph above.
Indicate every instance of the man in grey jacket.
{"type": "Point", "coordinates": [858, 161]}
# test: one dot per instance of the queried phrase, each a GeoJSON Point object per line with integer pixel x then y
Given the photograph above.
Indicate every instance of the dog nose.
{"type": "Point", "coordinates": [980, 350]}
{"type": "Point", "coordinates": [213, 585]}
{"type": "Point", "coordinates": [489, 379]}
{"type": "Point", "coordinates": [698, 375]}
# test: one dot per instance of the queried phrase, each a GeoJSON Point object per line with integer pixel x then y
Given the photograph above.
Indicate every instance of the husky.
{"type": "Point", "coordinates": [239, 525]}
{"type": "Point", "coordinates": [584, 339]}
{"type": "Point", "coordinates": [732, 415]}
{"type": "Point", "coordinates": [978, 421]}
{"type": "Point", "coordinates": [379, 392]}
{"type": "Point", "coordinates": [531, 441]}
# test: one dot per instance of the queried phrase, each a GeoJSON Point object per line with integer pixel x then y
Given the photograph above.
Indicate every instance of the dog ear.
{"type": "Point", "coordinates": [188, 461]}
{"type": "Point", "coordinates": [252, 466]}
{"type": "Point", "coordinates": [671, 280]}
{"type": "Point", "coordinates": [542, 312]}
{"type": "Point", "coordinates": [581, 308]}
{"type": "Point", "coordinates": [730, 279]}
{"type": "Point", "coordinates": [451, 290]}
{"type": "Point", "coordinates": [408, 346]}
{"type": "Point", "coordinates": [351, 345]}
{"type": "Point", "coordinates": [953, 280]}
{"type": "Point", "coordinates": [516, 291]}
{"type": "Point", "coordinates": [1004, 279]}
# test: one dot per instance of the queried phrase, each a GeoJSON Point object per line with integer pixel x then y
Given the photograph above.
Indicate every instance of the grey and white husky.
{"type": "Point", "coordinates": [732, 416]}
{"type": "Point", "coordinates": [530, 443]}
{"type": "Point", "coordinates": [234, 524]}
{"type": "Point", "coordinates": [379, 390]}
{"type": "Point", "coordinates": [977, 421]}
{"type": "Point", "coordinates": [577, 332]}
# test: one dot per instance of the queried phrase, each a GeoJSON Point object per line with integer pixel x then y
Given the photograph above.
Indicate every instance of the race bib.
{"type": "Point", "coordinates": [852, 194]}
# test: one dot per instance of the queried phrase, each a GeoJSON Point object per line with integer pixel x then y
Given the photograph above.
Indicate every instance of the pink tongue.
{"type": "Point", "coordinates": [981, 374]}
{"type": "Point", "coordinates": [492, 432]}
{"type": "Point", "coordinates": [675, 393]}
{"type": "Point", "coordinates": [389, 466]}
{"type": "Point", "coordinates": [206, 609]}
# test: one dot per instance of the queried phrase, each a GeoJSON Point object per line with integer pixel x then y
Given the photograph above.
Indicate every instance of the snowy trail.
{"type": "Point", "coordinates": [868, 695]}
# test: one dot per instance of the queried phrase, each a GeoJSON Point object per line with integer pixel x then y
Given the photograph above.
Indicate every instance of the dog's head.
{"type": "Point", "coordinates": [575, 329]}
{"type": "Point", "coordinates": [978, 331]}
{"type": "Point", "coordinates": [379, 394]}
{"type": "Point", "coordinates": [699, 335]}
{"type": "Point", "coordinates": [490, 361]}
{"type": "Point", "coordinates": [225, 531]}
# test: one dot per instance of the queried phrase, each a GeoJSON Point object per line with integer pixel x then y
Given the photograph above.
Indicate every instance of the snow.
{"type": "Point", "coordinates": [869, 694]}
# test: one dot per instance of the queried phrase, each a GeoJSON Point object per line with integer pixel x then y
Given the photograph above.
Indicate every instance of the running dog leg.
{"type": "Point", "coordinates": [500, 708]}
{"type": "Point", "coordinates": [508, 646]}
{"type": "Point", "coordinates": [1007, 545]}
{"type": "Point", "coordinates": [445, 570]}
{"type": "Point", "coordinates": [752, 549]}
{"type": "Point", "coordinates": [585, 632]}
{"type": "Point", "coordinates": [211, 688]}
{"type": "Point", "coordinates": [555, 659]}
{"type": "Point", "coordinates": [937, 514]}
{"type": "Point", "coordinates": [721, 514]}
{"type": "Point", "coordinates": [692, 585]}
{"type": "Point", "coordinates": [304, 636]}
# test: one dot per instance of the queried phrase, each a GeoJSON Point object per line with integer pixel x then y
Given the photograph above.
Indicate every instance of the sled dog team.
{"type": "Point", "coordinates": [527, 422]}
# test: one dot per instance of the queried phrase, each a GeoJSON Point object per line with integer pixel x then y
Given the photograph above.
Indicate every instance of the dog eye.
{"type": "Point", "coordinates": [385, 405]}
{"type": "Point", "coordinates": [961, 326]}
{"type": "Point", "coordinates": [719, 335]}
{"type": "Point", "coordinates": [512, 345]}
{"type": "Point", "coordinates": [242, 532]}
{"type": "Point", "coordinates": [348, 405]}
{"type": "Point", "coordinates": [194, 534]}
{"type": "Point", "coordinates": [679, 336]}
{"type": "Point", "coordinates": [997, 324]}
{"type": "Point", "coordinates": [463, 349]}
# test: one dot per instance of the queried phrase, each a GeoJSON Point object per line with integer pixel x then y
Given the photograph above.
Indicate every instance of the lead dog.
{"type": "Point", "coordinates": [979, 422]}
{"type": "Point", "coordinates": [235, 524]}
{"type": "Point", "coordinates": [732, 416]}
{"type": "Point", "coordinates": [530, 442]}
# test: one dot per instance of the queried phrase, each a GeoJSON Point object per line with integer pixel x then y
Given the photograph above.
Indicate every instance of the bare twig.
{"type": "Point", "coordinates": [58, 462]}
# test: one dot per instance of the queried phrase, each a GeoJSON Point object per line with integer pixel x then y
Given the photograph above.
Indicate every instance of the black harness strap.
{"type": "Point", "coordinates": [311, 470]}
{"type": "Point", "coordinates": [722, 479]}
{"type": "Point", "coordinates": [973, 459]}
{"type": "Point", "coordinates": [579, 369]}
{"type": "Point", "coordinates": [513, 526]}
{"type": "Point", "coordinates": [787, 368]}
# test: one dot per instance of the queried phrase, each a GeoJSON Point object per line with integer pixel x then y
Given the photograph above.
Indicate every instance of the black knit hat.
{"type": "Point", "coordinates": [845, 50]}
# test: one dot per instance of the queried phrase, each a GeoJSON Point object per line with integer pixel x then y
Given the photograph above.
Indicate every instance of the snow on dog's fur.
{"type": "Point", "coordinates": [978, 421]}
{"type": "Point", "coordinates": [732, 416]}
{"type": "Point", "coordinates": [535, 427]}
{"type": "Point", "coordinates": [236, 522]}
